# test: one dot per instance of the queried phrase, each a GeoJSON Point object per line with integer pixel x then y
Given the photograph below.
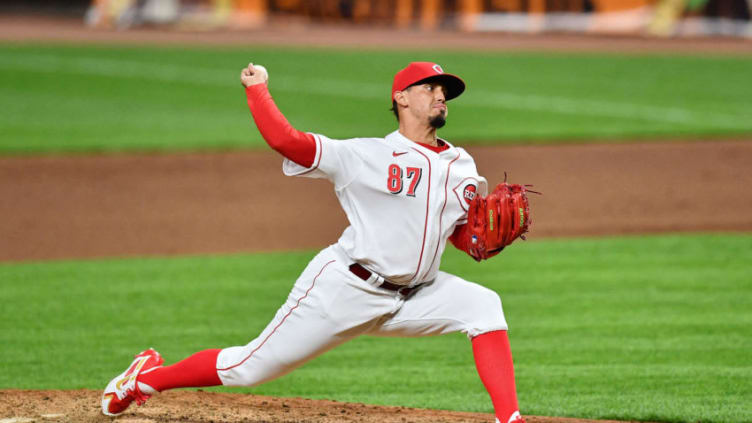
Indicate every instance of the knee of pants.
{"type": "Point", "coordinates": [485, 314]}
{"type": "Point", "coordinates": [242, 366]}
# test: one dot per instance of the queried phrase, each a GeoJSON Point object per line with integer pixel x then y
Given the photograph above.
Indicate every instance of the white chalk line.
{"type": "Point", "coordinates": [368, 90]}
{"type": "Point", "coordinates": [30, 419]}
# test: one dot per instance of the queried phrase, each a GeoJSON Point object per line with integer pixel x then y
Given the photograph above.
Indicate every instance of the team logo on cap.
{"type": "Point", "coordinates": [469, 193]}
{"type": "Point", "coordinates": [438, 69]}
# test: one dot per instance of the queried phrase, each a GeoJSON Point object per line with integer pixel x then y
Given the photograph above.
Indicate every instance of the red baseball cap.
{"type": "Point", "coordinates": [417, 72]}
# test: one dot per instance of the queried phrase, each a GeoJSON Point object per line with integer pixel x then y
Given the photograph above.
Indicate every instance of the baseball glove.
{"type": "Point", "coordinates": [498, 219]}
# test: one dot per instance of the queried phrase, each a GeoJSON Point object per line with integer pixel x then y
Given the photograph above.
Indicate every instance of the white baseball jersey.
{"type": "Point", "coordinates": [402, 200]}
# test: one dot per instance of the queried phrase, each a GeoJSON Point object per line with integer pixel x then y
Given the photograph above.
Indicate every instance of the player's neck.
{"type": "Point", "coordinates": [420, 134]}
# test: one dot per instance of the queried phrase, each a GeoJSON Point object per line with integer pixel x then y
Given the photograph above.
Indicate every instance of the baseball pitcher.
{"type": "Point", "coordinates": [405, 196]}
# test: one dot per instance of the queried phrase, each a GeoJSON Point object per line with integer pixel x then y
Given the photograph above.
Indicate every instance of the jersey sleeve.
{"type": "Point", "coordinates": [336, 160]}
{"type": "Point", "coordinates": [471, 177]}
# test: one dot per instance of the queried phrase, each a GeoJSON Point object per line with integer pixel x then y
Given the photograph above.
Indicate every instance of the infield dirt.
{"type": "Point", "coordinates": [133, 205]}
{"type": "Point", "coordinates": [82, 406]}
{"type": "Point", "coordinates": [151, 204]}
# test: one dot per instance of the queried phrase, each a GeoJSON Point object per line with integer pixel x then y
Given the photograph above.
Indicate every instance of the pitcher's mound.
{"type": "Point", "coordinates": [17, 406]}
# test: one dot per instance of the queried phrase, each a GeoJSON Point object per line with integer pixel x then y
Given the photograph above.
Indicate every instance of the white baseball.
{"type": "Point", "coordinates": [262, 69]}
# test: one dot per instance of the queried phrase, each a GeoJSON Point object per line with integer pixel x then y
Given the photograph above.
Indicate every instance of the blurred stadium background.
{"type": "Point", "coordinates": [644, 17]}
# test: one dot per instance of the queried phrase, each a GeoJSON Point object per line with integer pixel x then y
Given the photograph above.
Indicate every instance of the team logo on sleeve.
{"type": "Point", "coordinates": [466, 191]}
{"type": "Point", "coordinates": [469, 193]}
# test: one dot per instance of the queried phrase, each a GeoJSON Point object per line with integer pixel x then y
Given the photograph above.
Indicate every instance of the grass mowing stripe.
{"type": "Point", "coordinates": [369, 90]}
{"type": "Point", "coordinates": [579, 106]}
{"type": "Point", "coordinates": [638, 328]}
{"type": "Point", "coordinates": [98, 98]}
{"type": "Point", "coordinates": [119, 68]}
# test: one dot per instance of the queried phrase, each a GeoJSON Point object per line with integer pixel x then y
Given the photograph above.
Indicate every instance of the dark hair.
{"type": "Point", "coordinates": [394, 109]}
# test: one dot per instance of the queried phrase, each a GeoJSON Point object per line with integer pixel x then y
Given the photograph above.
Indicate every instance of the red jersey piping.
{"type": "Point", "coordinates": [320, 147]}
{"type": "Point", "coordinates": [462, 203]}
{"type": "Point", "coordinates": [441, 215]}
{"type": "Point", "coordinates": [280, 323]}
{"type": "Point", "coordinates": [425, 223]}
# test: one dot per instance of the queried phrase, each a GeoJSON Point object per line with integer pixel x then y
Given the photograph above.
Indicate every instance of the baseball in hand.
{"type": "Point", "coordinates": [263, 70]}
{"type": "Point", "coordinates": [258, 75]}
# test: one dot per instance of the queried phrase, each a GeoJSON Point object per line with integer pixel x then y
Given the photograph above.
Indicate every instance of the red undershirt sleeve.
{"type": "Point", "coordinates": [460, 238]}
{"type": "Point", "coordinates": [297, 146]}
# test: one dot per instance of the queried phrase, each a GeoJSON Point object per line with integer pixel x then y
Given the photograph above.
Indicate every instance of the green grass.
{"type": "Point", "coordinates": [647, 328]}
{"type": "Point", "coordinates": [61, 98]}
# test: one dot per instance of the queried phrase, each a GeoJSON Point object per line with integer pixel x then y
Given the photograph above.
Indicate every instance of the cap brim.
{"type": "Point", "coordinates": [454, 84]}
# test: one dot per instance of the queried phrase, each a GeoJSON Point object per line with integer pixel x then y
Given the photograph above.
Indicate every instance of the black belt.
{"type": "Point", "coordinates": [365, 274]}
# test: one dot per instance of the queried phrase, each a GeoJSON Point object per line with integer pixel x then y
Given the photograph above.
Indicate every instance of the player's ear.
{"type": "Point", "coordinates": [400, 98]}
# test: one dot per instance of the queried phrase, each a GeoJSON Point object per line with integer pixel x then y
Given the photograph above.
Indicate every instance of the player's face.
{"type": "Point", "coordinates": [428, 103]}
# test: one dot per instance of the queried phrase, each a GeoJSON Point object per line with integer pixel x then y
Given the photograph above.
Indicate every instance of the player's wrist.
{"type": "Point", "coordinates": [259, 86]}
{"type": "Point", "coordinates": [256, 93]}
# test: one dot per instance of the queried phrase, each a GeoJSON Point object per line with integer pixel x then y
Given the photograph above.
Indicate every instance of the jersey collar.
{"type": "Point", "coordinates": [398, 137]}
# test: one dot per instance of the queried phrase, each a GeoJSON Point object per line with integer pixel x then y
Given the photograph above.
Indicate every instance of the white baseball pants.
{"type": "Point", "coordinates": [329, 305]}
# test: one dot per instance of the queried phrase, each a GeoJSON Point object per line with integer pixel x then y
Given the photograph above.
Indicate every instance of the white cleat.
{"type": "Point", "coordinates": [124, 389]}
{"type": "Point", "coordinates": [514, 418]}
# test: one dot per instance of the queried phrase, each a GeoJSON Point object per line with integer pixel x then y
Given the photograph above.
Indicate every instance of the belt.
{"type": "Point", "coordinates": [366, 275]}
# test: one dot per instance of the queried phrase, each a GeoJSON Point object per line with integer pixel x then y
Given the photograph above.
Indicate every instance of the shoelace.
{"type": "Point", "coordinates": [137, 395]}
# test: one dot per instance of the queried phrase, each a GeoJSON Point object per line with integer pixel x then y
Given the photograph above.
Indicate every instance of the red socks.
{"type": "Point", "coordinates": [493, 359]}
{"type": "Point", "coordinates": [196, 371]}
